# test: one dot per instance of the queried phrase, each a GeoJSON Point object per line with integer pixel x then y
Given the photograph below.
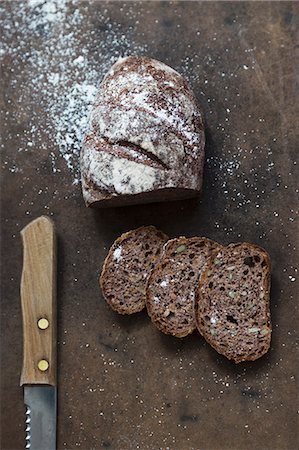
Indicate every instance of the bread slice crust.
{"type": "Point", "coordinates": [127, 267]}
{"type": "Point", "coordinates": [171, 286]}
{"type": "Point", "coordinates": [232, 302]}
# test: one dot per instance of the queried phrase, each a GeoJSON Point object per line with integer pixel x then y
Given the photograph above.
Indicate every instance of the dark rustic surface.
{"type": "Point", "coordinates": [122, 384]}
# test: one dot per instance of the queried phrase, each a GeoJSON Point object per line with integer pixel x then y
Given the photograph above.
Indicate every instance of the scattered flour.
{"type": "Point", "coordinates": [56, 71]}
{"type": "Point", "coordinates": [156, 300]}
{"type": "Point", "coordinates": [117, 254]}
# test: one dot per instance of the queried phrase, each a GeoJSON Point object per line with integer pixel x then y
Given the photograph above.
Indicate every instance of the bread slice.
{"type": "Point", "coordinates": [171, 285]}
{"type": "Point", "coordinates": [127, 268]}
{"type": "Point", "coordinates": [232, 302]}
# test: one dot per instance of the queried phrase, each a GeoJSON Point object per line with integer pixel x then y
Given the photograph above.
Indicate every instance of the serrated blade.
{"type": "Point", "coordinates": [41, 405]}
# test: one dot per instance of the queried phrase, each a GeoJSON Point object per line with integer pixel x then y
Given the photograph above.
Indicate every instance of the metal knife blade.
{"type": "Point", "coordinates": [41, 405]}
{"type": "Point", "coordinates": [38, 301]}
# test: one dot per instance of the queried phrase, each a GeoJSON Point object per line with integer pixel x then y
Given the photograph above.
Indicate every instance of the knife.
{"type": "Point", "coordinates": [38, 301]}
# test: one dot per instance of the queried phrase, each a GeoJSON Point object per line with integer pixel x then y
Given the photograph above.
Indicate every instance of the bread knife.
{"type": "Point", "coordinates": [38, 301]}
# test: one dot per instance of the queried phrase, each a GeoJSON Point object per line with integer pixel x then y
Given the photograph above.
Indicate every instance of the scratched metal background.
{"type": "Point", "coordinates": [122, 384]}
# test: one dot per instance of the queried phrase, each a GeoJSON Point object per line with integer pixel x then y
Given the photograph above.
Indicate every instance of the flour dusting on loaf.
{"type": "Point", "coordinates": [145, 140]}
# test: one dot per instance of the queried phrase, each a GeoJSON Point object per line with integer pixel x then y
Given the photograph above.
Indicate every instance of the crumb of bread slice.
{"type": "Point", "coordinates": [127, 267]}
{"type": "Point", "coordinates": [232, 302]}
{"type": "Point", "coordinates": [171, 286]}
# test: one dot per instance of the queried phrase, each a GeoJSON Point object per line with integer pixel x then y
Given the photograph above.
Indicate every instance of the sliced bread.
{"type": "Point", "coordinates": [127, 267]}
{"type": "Point", "coordinates": [171, 285]}
{"type": "Point", "coordinates": [232, 302]}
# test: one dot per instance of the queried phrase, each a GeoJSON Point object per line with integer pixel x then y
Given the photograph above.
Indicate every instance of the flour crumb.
{"type": "Point", "coordinates": [117, 254]}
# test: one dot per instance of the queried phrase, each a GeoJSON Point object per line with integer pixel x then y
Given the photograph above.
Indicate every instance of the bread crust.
{"type": "Point", "coordinates": [209, 266]}
{"type": "Point", "coordinates": [145, 141]}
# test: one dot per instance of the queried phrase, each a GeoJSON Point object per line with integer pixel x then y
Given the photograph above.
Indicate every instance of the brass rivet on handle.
{"type": "Point", "coordinates": [43, 365]}
{"type": "Point", "coordinates": [43, 323]}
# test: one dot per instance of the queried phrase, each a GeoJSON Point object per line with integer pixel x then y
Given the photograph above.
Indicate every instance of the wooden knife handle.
{"type": "Point", "coordinates": [38, 300]}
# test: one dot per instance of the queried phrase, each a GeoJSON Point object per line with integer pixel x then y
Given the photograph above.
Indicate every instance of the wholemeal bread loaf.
{"type": "Point", "coordinates": [232, 302]}
{"type": "Point", "coordinates": [145, 141]}
{"type": "Point", "coordinates": [171, 286]}
{"type": "Point", "coordinates": [127, 267]}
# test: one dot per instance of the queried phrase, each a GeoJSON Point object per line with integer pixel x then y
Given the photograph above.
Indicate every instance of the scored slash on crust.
{"type": "Point", "coordinates": [130, 151]}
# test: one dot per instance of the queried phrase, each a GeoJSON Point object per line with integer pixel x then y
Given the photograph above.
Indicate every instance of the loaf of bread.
{"type": "Point", "coordinates": [145, 141]}
{"type": "Point", "coordinates": [232, 302]}
{"type": "Point", "coordinates": [127, 267]}
{"type": "Point", "coordinates": [171, 286]}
